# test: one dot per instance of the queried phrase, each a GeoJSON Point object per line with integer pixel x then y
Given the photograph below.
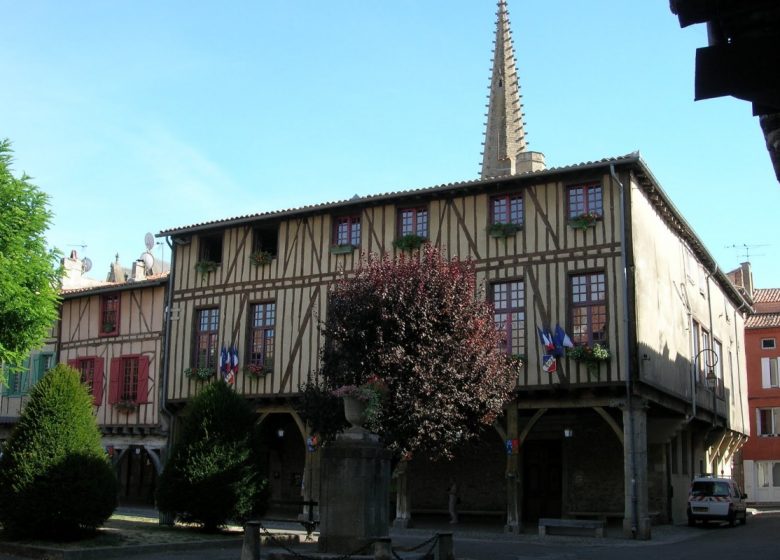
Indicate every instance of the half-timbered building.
{"type": "Point", "coordinates": [112, 334]}
{"type": "Point", "coordinates": [597, 248]}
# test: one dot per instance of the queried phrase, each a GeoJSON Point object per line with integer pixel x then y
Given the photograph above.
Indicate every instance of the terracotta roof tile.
{"type": "Point", "coordinates": [632, 157]}
{"type": "Point", "coordinates": [763, 321]}
{"type": "Point", "coordinates": [766, 295]}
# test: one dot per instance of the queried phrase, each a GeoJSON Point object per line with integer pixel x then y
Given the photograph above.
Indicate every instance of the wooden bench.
{"type": "Point", "coordinates": [596, 525]}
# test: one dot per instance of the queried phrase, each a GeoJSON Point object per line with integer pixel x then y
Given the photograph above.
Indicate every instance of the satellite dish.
{"type": "Point", "coordinates": [86, 264]}
{"type": "Point", "coordinates": [148, 260]}
{"type": "Point", "coordinates": [149, 241]}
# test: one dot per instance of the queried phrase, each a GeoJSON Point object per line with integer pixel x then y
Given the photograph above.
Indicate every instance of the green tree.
{"type": "Point", "coordinates": [55, 477]}
{"type": "Point", "coordinates": [419, 324]}
{"type": "Point", "coordinates": [29, 273]}
{"type": "Point", "coordinates": [212, 475]}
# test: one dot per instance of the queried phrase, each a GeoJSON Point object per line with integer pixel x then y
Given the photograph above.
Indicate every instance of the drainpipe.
{"type": "Point", "coordinates": [167, 350]}
{"type": "Point", "coordinates": [626, 358]}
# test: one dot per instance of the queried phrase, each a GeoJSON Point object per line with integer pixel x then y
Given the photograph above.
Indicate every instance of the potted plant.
{"type": "Point", "coordinates": [199, 373]}
{"type": "Point", "coordinates": [126, 406]}
{"type": "Point", "coordinates": [584, 221]}
{"type": "Point", "coordinates": [260, 258]}
{"type": "Point", "coordinates": [363, 402]}
{"type": "Point", "coordinates": [500, 229]}
{"type": "Point", "coordinates": [204, 267]}
{"type": "Point", "coordinates": [409, 242]}
{"type": "Point", "coordinates": [343, 249]}
{"type": "Point", "coordinates": [591, 356]}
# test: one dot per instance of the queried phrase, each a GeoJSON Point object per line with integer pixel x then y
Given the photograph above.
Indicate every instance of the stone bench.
{"type": "Point", "coordinates": [595, 524]}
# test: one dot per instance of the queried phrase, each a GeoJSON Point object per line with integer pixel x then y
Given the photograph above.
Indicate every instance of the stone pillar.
{"type": "Point", "coordinates": [403, 510]}
{"type": "Point", "coordinates": [251, 547]}
{"type": "Point", "coordinates": [354, 485]}
{"type": "Point", "coordinates": [636, 521]}
{"type": "Point", "coordinates": [512, 474]}
{"type": "Point", "coordinates": [444, 549]}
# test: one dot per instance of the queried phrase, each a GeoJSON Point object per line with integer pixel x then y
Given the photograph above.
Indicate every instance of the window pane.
{"type": "Point", "coordinates": [764, 474]}
{"type": "Point", "coordinates": [422, 223]}
{"type": "Point", "coordinates": [509, 317]}
{"type": "Point", "coordinates": [500, 213]}
{"type": "Point", "coordinates": [576, 201]}
{"type": "Point", "coordinates": [594, 200]}
{"type": "Point", "coordinates": [129, 379]}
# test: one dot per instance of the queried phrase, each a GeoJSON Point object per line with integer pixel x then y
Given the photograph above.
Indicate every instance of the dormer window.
{"type": "Point", "coordinates": [210, 248]}
{"type": "Point", "coordinates": [265, 239]}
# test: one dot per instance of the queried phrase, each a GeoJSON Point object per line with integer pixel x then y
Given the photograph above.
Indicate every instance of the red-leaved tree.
{"type": "Point", "coordinates": [418, 323]}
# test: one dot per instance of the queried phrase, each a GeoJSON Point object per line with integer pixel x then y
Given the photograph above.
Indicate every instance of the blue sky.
{"type": "Point", "coordinates": [145, 115]}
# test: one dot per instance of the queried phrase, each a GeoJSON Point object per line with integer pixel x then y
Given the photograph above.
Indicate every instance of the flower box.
{"type": "Point", "coordinates": [409, 242]}
{"type": "Point", "coordinates": [502, 230]}
{"type": "Point", "coordinates": [199, 373]}
{"type": "Point", "coordinates": [591, 356]}
{"type": "Point", "coordinates": [342, 249]}
{"type": "Point", "coordinates": [126, 406]}
{"type": "Point", "coordinates": [584, 221]}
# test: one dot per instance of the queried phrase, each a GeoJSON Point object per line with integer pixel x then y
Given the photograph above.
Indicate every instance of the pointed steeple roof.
{"type": "Point", "coordinates": [505, 146]}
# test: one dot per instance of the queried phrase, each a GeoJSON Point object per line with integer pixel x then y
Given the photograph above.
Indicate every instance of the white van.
{"type": "Point", "coordinates": [716, 499]}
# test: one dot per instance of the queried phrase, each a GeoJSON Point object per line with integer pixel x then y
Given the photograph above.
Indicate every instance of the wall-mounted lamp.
{"type": "Point", "coordinates": [568, 432]}
{"type": "Point", "coordinates": [280, 433]}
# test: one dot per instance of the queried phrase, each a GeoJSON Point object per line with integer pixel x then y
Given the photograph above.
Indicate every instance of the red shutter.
{"type": "Point", "coordinates": [97, 382]}
{"type": "Point", "coordinates": [74, 364]}
{"type": "Point", "coordinates": [141, 395]}
{"type": "Point", "coordinates": [114, 380]}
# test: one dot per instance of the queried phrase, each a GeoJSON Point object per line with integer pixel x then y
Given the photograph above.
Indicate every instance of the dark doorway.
{"type": "Point", "coordinates": [282, 458]}
{"type": "Point", "coordinates": [137, 478]}
{"type": "Point", "coordinates": [542, 479]}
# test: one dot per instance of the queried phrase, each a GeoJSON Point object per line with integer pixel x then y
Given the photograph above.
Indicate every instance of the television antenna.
{"type": "Point", "coordinates": [743, 249]}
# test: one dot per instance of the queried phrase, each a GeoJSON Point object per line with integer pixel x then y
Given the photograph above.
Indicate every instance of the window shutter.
{"type": "Point", "coordinates": [74, 364]}
{"type": "Point", "coordinates": [765, 381]}
{"type": "Point", "coordinates": [97, 382]}
{"type": "Point", "coordinates": [141, 395]}
{"type": "Point", "coordinates": [114, 380]}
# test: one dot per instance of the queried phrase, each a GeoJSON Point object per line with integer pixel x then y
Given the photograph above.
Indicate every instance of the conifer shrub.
{"type": "Point", "coordinates": [55, 478]}
{"type": "Point", "coordinates": [212, 476]}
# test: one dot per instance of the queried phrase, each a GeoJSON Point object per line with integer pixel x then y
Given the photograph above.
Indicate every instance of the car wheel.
{"type": "Point", "coordinates": [743, 521]}
{"type": "Point", "coordinates": [691, 521]}
{"type": "Point", "coordinates": [732, 518]}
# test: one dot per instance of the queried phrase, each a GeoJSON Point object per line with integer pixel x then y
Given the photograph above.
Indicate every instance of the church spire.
{"type": "Point", "coordinates": [505, 145]}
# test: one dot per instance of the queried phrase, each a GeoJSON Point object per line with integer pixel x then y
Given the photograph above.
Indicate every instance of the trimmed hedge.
{"type": "Point", "coordinates": [211, 476]}
{"type": "Point", "coordinates": [55, 477]}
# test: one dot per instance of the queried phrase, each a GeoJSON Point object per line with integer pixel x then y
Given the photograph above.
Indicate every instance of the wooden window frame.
{"type": "Point", "coordinates": [93, 382]}
{"type": "Point", "coordinates": [585, 206]}
{"type": "Point", "coordinates": [768, 343]}
{"type": "Point", "coordinates": [109, 316]}
{"type": "Point", "coordinates": [121, 388]}
{"type": "Point", "coordinates": [507, 218]}
{"type": "Point", "coordinates": [415, 222]}
{"type": "Point", "coordinates": [352, 237]}
{"type": "Point", "coordinates": [511, 312]}
{"type": "Point", "coordinates": [590, 305]}
{"type": "Point", "coordinates": [265, 359]}
{"type": "Point", "coordinates": [212, 361]}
